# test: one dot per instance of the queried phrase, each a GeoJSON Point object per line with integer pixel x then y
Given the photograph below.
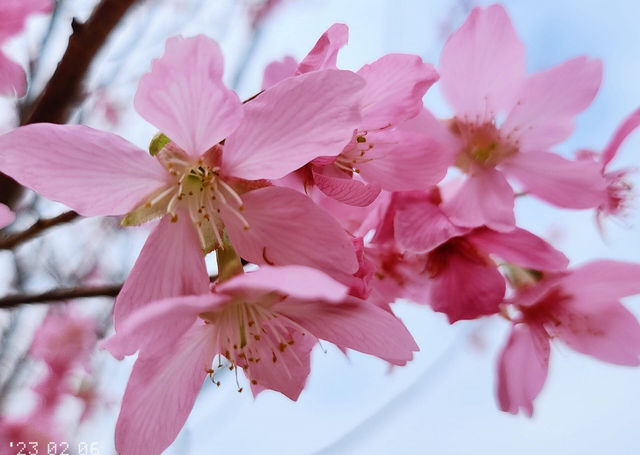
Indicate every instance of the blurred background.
{"type": "Point", "coordinates": [441, 403]}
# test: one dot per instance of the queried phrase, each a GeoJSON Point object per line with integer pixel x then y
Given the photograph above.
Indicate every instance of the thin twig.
{"type": "Point", "coordinates": [60, 294]}
{"type": "Point", "coordinates": [10, 241]}
{"type": "Point", "coordinates": [65, 294]}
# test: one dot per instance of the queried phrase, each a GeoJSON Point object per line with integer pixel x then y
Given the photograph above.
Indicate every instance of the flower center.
{"type": "Point", "coordinates": [482, 145]}
{"type": "Point", "coordinates": [199, 190]}
{"type": "Point", "coordinates": [354, 154]}
{"type": "Point", "coordinates": [248, 333]}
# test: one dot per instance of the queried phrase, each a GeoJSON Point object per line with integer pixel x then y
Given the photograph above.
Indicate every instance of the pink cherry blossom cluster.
{"type": "Point", "coordinates": [64, 342]}
{"type": "Point", "coordinates": [348, 194]}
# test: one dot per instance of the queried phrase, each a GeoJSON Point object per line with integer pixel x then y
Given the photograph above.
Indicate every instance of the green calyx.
{"type": "Point", "coordinates": [229, 262]}
{"type": "Point", "coordinates": [157, 143]}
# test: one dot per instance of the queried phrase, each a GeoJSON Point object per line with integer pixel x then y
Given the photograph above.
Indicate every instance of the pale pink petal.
{"type": "Point", "coordinates": [522, 368]}
{"type": "Point", "coordinates": [184, 95]}
{"type": "Point", "coordinates": [154, 328]}
{"type": "Point", "coordinates": [604, 281]}
{"type": "Point", "coordinates": [482, 65]}
{"type": "Point", "coordinates": [6, 216]}
{"type": "Point", "coordinates": [427, 124]}
{"type": "Point", "coordinates": [279, 70]}
{"type": "Point", "coordinates": [357, 325]}
{"type": "Point", "coordinates": [292, 280]}
{"type": "Point", "coordinates": [571, 184]}
{"type": "Point", "coordinates": [395, 86]}
{"type": "Point", "coordinates": [609, 332]}
{"type": "Point", "coordinates": [287, 228]}
{"type": "Point", "coordinates": [521, 248]}
{"type": "Point", "coordinates": [91, 171]}
{"type": "Point", "coordinates": [464, 285]}
{"type": "Point", "coordinates": [13, 80]}
{"type": "Point", "coordinates": [624, 130]}
{"type": "Point", "coordinates": [325, 52]}
{"type": "Point", "coordinates": [170, 264]}
{"type": "Point", "coordinates": [292, 123]}
{"type": "Point", "coordinates": [343, 188]}
{"type": "Point", "coordinates": [404, 161]}
{"type": "Point", "coordinates": [286, 368]}
{"type": "Point", "coordinates": [548, 101]}
{"type": "Point", "coordinates": [485, 198]}
{"type": "Point", "coordinates": [161, 392]}
{"type": "Point", "coordinates": [420, 226]}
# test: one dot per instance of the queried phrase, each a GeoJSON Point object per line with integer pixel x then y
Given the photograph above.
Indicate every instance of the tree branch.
{"type": "Point", "coordinates": [61, 294]}
{"type": "Point", "coordinates": [64, 294]}
{"type": "Point", "coordinates": [10, 241]}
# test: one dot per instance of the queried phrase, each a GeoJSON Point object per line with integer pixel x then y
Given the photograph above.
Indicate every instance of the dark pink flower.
{"type": "Point", "coordinates": [582, 309]}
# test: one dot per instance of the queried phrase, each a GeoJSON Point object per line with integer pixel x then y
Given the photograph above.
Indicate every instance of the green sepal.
{"type": "Point", "coordinates": [157, 143]}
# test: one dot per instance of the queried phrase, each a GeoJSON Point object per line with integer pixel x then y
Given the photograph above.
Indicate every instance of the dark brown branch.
{"type": "Point", "coordinates": [65, 86]}
{"type": "Point", "coordinates": [61, 294]}
{"type": "Point", "coordinates": [64, 294]}
{"type": "Point", "coordinates": [12, 240]}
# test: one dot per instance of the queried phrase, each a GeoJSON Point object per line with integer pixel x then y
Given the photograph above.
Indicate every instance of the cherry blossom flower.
{"type": "Point", "coordinates": [458, 274]}
{"type": "Point", "coordinates": [618, 188]}
{"type": "Point", "coordinates": [6, 216]}
{"type": "Point", "coordinates": [265, 322]}
{"type": "Point", "coordinates": [580, 308]}
{"type": "Point", "coordinates": [13, 15]}
{"type": "Point", "coordinates": [206, 178]}
{"type": "Point", "coordinates": [380, 155]}
{"type": "Point", "coordinates": [482, 69]}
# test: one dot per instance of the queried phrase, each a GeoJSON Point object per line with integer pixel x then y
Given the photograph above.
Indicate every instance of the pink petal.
{"type": "Point", "coordinates": [156, 327]}
{"type": "Point", "coordinates": [292, 123]}
{"type": "Point", "coordinates": [426, 123]}
{"type": "Point", "coordinates": [624, 130]}
{"type": "Point", "coordinates": [521, 248]}
{"type": "Point", "coordinates": [485, 198]}
{"type": "Point", "coordinates": [293, 280]}
{"type": "Point", "coordinates": [285, 369]}
{"type": "Point", "coordinates": [6, 216]}
{"type": "Point", "coordinates": [184, 95]}
{"type": "Point", "coordinates": [93, 172]}
{"type": "Point", "coordinates": [604, 281]}
{"type": "Point", "coordinates": [161, 393]}
{"type": "Point", "coordinates": [548, 101]}
{"type": "Point", "coordinates": [395, 86]}
{"type": "Point", "coordinates": [325, 52]}
{"type": "Point", "coordinates": [357, 325]}
{"type": "Point", "coordinates": [13, 80]}
{"type": "Point", "coordinates": [464, 285]}
{"type": "Point", "coordinates": [404, 161]}
{"type": "Point", "coordinates": [420, 226]}
{"type": "Point", "coordinates": [609, 332]}
{"type": "Point", "coordinates": [286, 228]}
{"type": "Point", "coordinates": [171, 264]}
{"type": "Point", "coordinates": [343, 188]}
{"type": "Point", "coordinates": [571, 184]}
{"type": "Point", "coordinates": [522, 368]}
{"type": "Point", "coordinates": [279, 70]}
{"type": "Point", "coordinates": [482, 65]}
